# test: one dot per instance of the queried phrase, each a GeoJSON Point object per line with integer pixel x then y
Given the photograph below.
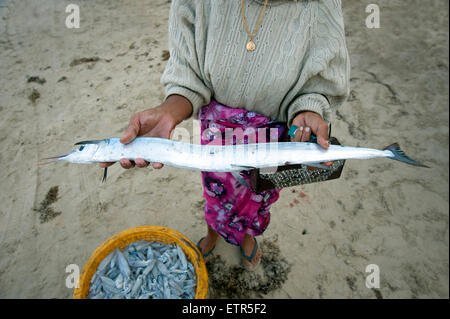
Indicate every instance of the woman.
{"type": "Point", "coordinates": [247, 64]}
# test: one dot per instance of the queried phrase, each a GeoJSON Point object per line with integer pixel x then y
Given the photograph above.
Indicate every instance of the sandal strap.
{"type": "Point", "coordinates": [250, 258]}
{"type": "Point", "coordinates": [209, 252]}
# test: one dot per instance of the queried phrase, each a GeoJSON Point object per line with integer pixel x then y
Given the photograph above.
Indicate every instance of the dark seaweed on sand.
{"type": "Point", "coordinates": [235, 282]}
{"type": "Point", "coordinates": [36, 79]}
{"type": "Point", "coordinates": [34, 95]}
{"type": "Point", "coordinates": [84, 60]}
{"type": "Point", "coordinates": [47, 213]}
{"type": "Point", "coordinates": [165, 55]}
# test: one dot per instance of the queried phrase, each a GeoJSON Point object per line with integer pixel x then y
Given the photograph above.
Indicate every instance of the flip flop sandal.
{"type": "Point", "coordinates": [250, 258]}
{"type": "Point", "coordinates": [208, 253]}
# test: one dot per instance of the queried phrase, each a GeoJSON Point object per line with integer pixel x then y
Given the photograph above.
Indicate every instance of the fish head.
{"type": "Point", "coordinates": [82, 155]}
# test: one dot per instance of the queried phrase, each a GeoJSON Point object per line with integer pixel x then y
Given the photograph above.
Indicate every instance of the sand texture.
{"type": "Point", "coordinates": [60, 86]}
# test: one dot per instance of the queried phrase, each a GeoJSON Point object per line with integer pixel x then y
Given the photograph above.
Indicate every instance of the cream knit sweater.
{"type": "Point", "coordinates": [300, 61]}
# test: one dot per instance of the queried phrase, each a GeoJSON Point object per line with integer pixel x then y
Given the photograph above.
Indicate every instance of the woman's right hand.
{"type": "Point", "coordinates": [156, 122]}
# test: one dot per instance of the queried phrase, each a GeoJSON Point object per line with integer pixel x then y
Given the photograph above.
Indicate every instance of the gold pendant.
{"type": "Point", "coordinates": [250, 46]}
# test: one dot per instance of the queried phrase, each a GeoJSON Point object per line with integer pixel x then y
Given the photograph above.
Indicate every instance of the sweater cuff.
{"type": "Point", "coordinates": [308, 102]}
{"type": "Point", "coordinates": [195, 98]}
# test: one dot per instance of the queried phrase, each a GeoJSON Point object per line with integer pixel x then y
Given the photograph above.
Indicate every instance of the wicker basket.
{"type": "Point", "coordinates": [149, 233]}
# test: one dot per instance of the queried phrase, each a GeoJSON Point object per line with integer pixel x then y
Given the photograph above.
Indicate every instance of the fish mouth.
{"type": "Point", "coordinates": [51, 159]}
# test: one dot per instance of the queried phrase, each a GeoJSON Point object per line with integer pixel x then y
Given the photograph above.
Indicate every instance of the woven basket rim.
{"type": "Point", "coordinates": [150, 233]}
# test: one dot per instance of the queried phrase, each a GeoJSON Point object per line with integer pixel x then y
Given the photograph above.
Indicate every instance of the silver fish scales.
{"type": "Point", "coordinates": [144, 270]}
{"type": "Point", "coordinates": [218, 158]}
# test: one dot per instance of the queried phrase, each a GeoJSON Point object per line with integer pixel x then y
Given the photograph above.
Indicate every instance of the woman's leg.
{"type": "Point", "coordinates": [231, 210]}
{"type": "Point", "coordinates": [248, 245]}
{"type": "Point", "coordinates": [209, 241]}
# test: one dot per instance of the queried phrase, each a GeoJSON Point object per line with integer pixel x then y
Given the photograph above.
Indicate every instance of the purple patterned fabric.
{"type": "Point", "coordinates": [231, 209]}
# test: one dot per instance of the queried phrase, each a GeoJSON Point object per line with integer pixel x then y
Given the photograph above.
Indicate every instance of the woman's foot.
{"type": "Point", "coordinates": [250, 247]}
{"type": "Point", "coordinates": [207, 243]}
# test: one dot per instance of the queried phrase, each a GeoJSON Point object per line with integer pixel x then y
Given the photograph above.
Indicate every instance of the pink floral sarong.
{"type": "Point", "coordinates": [232, 209]}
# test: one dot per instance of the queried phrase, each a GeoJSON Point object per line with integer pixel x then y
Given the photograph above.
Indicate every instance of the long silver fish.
{"type": "Point", "coordinates": [218, 158]}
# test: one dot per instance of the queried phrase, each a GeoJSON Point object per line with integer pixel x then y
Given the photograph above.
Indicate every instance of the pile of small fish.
{"type": "Point", "coordinates": [144, 270]}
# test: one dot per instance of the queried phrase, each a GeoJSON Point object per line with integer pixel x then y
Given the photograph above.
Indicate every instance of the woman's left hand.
{"type": "Point", "coordinates": [311, 122]}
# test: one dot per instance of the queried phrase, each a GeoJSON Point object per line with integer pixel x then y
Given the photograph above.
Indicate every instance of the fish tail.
{"type": "Point", "coordinates": [399, 155]}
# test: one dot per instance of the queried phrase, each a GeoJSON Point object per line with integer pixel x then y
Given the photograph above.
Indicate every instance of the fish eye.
{"type": "Point", "coordinates": [81, 148]}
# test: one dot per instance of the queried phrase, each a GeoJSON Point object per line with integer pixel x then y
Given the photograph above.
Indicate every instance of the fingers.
{"type": "Point", "coordinates": [141, 162]}
{"type": "Point", "coordinates": [300, 122]}
{"type": "Point", "coordinates": [298, 134]}
{"type": "Point", "coordinates": [306, 134]}
{"type": "Point", "coordinates": [125, 163]}
{"type": "Point", "coordinates": [323, 163]}
{"type": "Point", "coordinates": [106, 164]}
{"type": "Point", "coordinates": [322, 139]}
{"type": "Point", "coordinates": [308, 123]}
{"type": "Point", "coordinates": [303, 134]}
{"type": "Point", "coordinates": [157, 165]}
{"type": "Point", "coordinates": [132, 130]}
{"type": "Point", "coordinates": [322, 135]}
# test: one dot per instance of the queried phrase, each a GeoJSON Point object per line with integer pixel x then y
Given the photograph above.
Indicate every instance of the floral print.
{"type": "Point", "coordinates": [232, 209]}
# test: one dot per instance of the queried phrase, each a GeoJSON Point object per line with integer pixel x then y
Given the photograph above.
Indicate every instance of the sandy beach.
{"type": "Point", "coordinates": [60, 86]}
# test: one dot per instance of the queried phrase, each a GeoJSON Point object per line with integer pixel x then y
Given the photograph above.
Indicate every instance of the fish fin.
{"type": "Point", "coordinates": [243, 167]}
{"type": "Point", "coordinates": [104, 174]}
{"type": "Point", "coordinates": [89, 142]}
{"type": "Point", "coordinates": [399, 155]}
{"type": "Point", "coordinates": [317, 165]}
{"type": "Point", "coordinates": [240, 179]}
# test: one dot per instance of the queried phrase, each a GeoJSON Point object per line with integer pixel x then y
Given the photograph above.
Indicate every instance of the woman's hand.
{"type": "Point", "coordinates": [311, 122]}
{"type": "Point", "coordinates": [156, 122]}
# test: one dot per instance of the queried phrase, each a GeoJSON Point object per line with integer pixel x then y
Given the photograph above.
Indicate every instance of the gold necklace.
{"type": "Point", "coordinates": [251, 45]}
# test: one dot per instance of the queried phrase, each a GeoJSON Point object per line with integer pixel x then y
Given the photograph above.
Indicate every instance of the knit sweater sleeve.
{"type": "Point", "coordinates": [324, 79]}
{"type": "Point", "coordinates": [183, 74]}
